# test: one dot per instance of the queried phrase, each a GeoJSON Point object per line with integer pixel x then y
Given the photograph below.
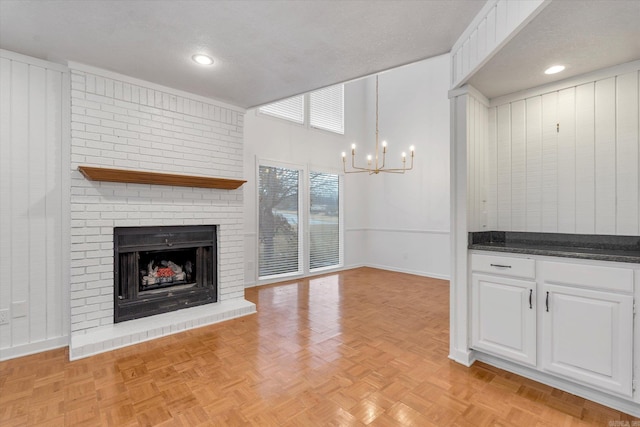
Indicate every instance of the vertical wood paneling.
{"type": "Point", "coordinates": [477, 123]}
{"type": "Point", "coordinates": [31, 126]}
{"type": "Point", "coordinates": [605, 155]}
{"type": "Point", "coordinates": [19, 199]}
{"type": "Point", "coordinates": [36, 198]}
{"type": "Point", "coordinates": [5, 190]}
{"type": "Point", "coordinates": [471, 165]}
{"type": "Point", "coordinates": [503, 133]}
{"type": "Point", "coordinates": [567, 161]}
{"type": "Point", "coordinates": [534, 164]}
{"type": "Point", "coordinates": [518, 167]}
{"type": "Point", "coordinates": [53, 206]}
{"type": "Point", "coordinates": [585, 159]}
{"type": "Point", "coordinates": [492, 171]}
{"type": "Point", "coordinates": [549, 163]}
{"type": "Point", "coordinates": [627, 154]}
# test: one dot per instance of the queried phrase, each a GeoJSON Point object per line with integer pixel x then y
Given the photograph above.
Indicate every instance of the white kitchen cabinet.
{"type": "Point", "coordinates": [587, 332]}
{"type": "Point", "coordinates": [504, 317]}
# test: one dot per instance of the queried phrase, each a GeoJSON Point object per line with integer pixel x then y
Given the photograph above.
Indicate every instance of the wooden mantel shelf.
{"type": "Point", "coordinates": [141, 177]}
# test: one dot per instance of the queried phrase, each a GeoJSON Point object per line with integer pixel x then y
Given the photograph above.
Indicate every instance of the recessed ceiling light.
{"type": "Point", "coordinates": [202, 59]}
{"type": "Point", "coordinates": [554, 69]}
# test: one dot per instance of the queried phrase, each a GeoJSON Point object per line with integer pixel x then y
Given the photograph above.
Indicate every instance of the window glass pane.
{"type": "Point", "coordinates": [324, 224]}
{"type": "Point", "coordinates": [278, 221]}
{"type": "Point", "coordinates": [289, 109]}
{"type": "Point", "coordinates": [326, 109]}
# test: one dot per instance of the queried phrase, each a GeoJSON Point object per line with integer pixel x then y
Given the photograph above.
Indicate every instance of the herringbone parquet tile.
{"type": "Point", "coordinates": [362, 347]}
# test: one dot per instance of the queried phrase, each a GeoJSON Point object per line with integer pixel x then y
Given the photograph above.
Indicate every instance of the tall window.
{"type": "Point", "coordinates": [278, 222]}
{"type": "Point", "coordinates": [324, 220]}
{"type": "Point", "coordinates": [296, 219]}
{"type": "Point", "coordinates": [326, 109]}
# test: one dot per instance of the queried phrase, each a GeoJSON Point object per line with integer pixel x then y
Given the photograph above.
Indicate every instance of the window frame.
{"type": "Point", "coordinates": [319, 169]}
{"type": "Point", "coordinates": [306, 107]}
{"type": "Point", "coordinates": [302, 176]}
{"type": "Point", "coordinates": [304, 206]}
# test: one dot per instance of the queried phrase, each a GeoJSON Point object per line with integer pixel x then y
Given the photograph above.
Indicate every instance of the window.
{"type": "Point", "coordinates": [289, 109]}
{"type": "Point", "coordinates": [278, 221]}
{"type": "Point", "coordinates": [326, 109]}
{"type": "Point", "coordinates": [293, 216]}
{"type": "Point", "coordinates": [324, 220]}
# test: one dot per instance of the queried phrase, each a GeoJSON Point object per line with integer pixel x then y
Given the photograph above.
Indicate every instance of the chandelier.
{"type": "Point", "coordinates": [376, 163]}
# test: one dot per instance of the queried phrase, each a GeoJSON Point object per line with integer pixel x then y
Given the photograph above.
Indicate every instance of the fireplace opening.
{"type": "Point", "coordinates": [162, 269]}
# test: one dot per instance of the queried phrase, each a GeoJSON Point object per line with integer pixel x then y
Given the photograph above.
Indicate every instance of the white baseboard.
{"type": "Point", "coordinates": [407, 271]}
{"type": "Point", "coordinates": [32, 348]}
{"type": "Point", "coordinates": [618, 403]}
{"type": "Point", "coordinates": [466, 358]}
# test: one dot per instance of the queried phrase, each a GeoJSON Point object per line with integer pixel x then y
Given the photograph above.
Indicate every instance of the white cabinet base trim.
{"type": "Point", "coordinates": [626, 406]}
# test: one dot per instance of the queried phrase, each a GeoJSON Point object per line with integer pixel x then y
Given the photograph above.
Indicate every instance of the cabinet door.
{"type": "Point", "coordinates": [588, 336]}
{"type": "Point", "coordinates": [504, 317]}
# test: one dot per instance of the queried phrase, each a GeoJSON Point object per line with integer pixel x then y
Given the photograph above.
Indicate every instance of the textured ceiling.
{"type": "Point", "coordinates": [583, 35]}
{"type": "Point", "coordinates": [264, 50]}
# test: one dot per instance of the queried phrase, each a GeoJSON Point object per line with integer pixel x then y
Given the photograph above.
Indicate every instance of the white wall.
{"type": "Point", "coordinates": [395, 222]}
{"type": "Point", "coordinates": [407, 216]}
{"type": "Point", "coordinates": [34, 194]}
{"type": "Point", "coordinates": [272, 139]}
{"type": "Point", "coordinates": [562, 159]}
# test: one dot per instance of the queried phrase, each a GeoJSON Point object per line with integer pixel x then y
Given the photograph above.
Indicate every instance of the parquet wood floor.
{"type": "Point", "coordinates": [363, 347]}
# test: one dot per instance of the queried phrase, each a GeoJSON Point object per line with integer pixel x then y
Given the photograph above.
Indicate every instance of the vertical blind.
{"type": "Point", "coordinates": [290, 109]}
{"type": "Point", "coordinates": [326, 109]}
{"type": "Point", "coordinates": [324, 220]}
{"type": "Point", "coordinates": [279, 248]}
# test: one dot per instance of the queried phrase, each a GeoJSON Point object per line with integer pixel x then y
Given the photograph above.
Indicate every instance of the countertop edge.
{"type": "Point", "coordinates": [559, 253]}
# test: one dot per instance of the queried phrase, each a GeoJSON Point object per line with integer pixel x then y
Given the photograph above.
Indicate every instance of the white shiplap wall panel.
{"type": "Point", "coordinates": [581, 163]}
{"type": "Point", "coordinates": [567, 161]}
{"type": "Point", "coordinates": [549, 163]}
{"type": "Point", "coordinates": [32, 286]}
{"type": "Point", "coordinates": [518, 167]}
{"type": "Point", "coordinates": [477, 173]}
{"type": "Point", "coordinates": [36, 238]}
{"type": "Point", "coordinates": [534, 164]}
{"type": "Point", "coordinates": [472, 212]}
{"type": "Point", "coordinates": [585, 159]}
{"type": "Point", "coordinates": [605, 154]}
{"type": "Point", "coordinates": [18, 196]}
{"type": "Point", "coordinates": [627, 154]}
{"type": "Point", "coordinates": [56, 321]}
{"type": "Point", "coordinates": [5, 190]}
{"type": "Point", "coordinates": [492, 168]}
{"type": "Point", "coordinates": [503, 133]}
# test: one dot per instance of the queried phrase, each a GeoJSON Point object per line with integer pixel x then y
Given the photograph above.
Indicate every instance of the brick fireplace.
{"type": "Point", "coordinates": [119, 122]}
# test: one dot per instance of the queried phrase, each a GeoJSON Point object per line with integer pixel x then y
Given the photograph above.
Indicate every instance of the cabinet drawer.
{"type": "Point", "coordinates": [588, 276]}
{"type": "Point", "coordinates": [504, 265]}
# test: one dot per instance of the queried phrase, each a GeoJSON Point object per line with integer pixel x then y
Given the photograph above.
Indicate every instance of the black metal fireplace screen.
{"type": "Point", "coordinates": [162, 269]}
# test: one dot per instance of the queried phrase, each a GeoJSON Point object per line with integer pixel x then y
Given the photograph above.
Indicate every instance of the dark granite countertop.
{"type": "Point", "coordinates": [583, 246]}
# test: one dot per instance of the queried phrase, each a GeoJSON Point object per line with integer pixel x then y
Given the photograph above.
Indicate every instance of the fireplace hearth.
{"type": "Point", "coordinates": [163, 269]}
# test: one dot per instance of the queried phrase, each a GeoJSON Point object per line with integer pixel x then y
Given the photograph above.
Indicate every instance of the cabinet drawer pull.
{"type": "Point", "coordinates": [547, 302]}
{"type": "Point", "coordinates": [500, 266]}
{"type": "Point", "coordinates": [530, 295]}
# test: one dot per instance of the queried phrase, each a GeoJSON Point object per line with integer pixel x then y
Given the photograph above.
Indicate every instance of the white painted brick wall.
{"type": "Point", "coordinates": [121, 125]}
